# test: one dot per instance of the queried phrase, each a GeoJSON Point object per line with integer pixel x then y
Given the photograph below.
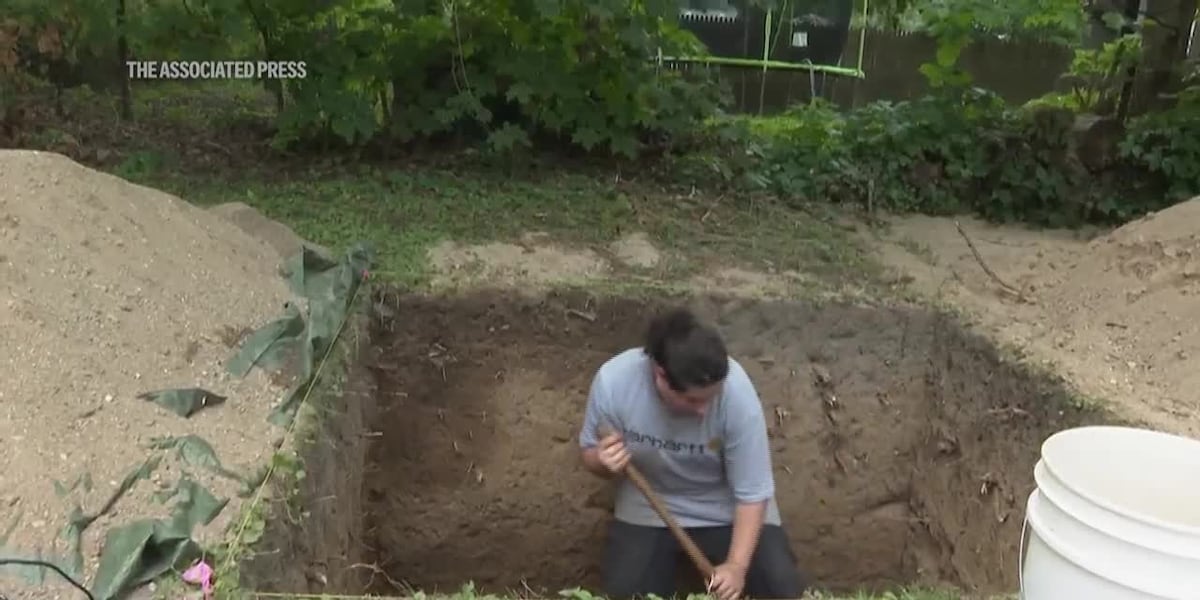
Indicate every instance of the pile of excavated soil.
{"type": "Point", "coordinates": [1130, 301]}
{"type": "Point", "coordinates": [1118, 315]}
{"type": "Point", "coordinates": [109, 290]}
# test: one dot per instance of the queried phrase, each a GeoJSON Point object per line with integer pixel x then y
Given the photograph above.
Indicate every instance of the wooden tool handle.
{"type": "Point", "coordinates": [689, 546]}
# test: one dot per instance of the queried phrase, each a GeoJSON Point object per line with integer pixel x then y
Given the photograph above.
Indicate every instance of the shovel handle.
{"type": "Point", "coordinates": [689, 547]}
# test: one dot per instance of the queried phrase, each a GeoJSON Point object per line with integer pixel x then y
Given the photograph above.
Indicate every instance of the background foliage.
{"type": "Point", "coordinates": [963, 149]}
{"type": "Point", "coordinates": [577, 76]}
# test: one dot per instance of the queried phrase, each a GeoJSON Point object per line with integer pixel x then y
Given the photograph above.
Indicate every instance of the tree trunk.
{"type": "Point", "coordinates": [1165, 48]}
{"type": "Point", "coordinates": [261, 23]}
{"type": "Point", "coordinates": [1125, 100]}
{"type": "Point", "coordinates": [122, 58]}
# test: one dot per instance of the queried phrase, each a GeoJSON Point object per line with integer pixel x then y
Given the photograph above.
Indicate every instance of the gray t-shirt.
{"type": "Point", "coordinates": [701, 468]}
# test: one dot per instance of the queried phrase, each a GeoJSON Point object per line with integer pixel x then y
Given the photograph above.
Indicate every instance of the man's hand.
{"type": "Point", "coordinates": [613, 454]}
{"type": "Point", "coordinates": [728, 581]}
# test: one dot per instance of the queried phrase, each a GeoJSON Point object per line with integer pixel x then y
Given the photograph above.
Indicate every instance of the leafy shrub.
{"type": "Point", "coordinates": [386, 71]}
{"type": "Point", "coordinates": [1166, 146]}
{"type": "Point", "coordinates": [961, 151]}
{"type": "Point", "coordinates": [573, 70]}
{"type": "Point", "coordinates": [1095, 76]}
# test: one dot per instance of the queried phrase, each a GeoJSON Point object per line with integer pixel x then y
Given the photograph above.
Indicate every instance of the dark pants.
{"type": "Point", "coordinates": [642, 560]}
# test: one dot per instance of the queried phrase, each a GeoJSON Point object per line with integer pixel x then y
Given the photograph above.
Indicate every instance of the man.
{"type": "Point", "coordinates": [688, 416]}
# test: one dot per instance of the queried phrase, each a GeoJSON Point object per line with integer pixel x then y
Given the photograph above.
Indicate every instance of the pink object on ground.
{"type": "Point", "coordinates": [201, 574]}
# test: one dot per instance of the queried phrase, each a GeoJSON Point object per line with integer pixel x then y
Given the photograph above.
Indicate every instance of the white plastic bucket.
{"type": "Point", "coordinates": [1115, 516]}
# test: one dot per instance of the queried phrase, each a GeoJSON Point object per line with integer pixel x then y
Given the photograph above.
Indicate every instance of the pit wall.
{"type": "Point", "coordinates": [312, 518]}
{"type": "Point", "coordinates": [903, 447]}
{"type": "Point", "coordinates": [988, 416]}
{"type": "Point", "coordinates": [906, 443]}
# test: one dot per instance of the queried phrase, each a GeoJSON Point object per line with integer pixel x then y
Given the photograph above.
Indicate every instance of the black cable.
{"type": "Point", "coordinates": [56, 568]}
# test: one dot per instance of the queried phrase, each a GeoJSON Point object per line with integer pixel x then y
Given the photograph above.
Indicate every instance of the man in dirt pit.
{"type": "Point", "coordinates": [690, 419]}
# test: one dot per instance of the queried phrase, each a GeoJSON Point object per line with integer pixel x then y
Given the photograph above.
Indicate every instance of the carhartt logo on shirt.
{"type": "Point", "coordinates": [661, 444]}
{"type": "Point", "coordinates": [715, 444]}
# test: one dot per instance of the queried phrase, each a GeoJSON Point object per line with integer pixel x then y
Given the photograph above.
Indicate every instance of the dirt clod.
{"type": "Point", "coordinates": [636, 250]}
{"type": "Point", "coordinates": [532, 261]}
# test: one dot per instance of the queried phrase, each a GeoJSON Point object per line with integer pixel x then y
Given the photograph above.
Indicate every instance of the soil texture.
{"type": "Point", "coordinates": [109, 290]}
{"type": "Point", "coordinates": [896, 460]}
{"type": "Point", "coordinates": [1118, 314]}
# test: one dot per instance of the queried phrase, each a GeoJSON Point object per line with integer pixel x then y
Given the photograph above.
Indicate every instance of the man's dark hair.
{"type": "Point", "coordinates": [692, 355]}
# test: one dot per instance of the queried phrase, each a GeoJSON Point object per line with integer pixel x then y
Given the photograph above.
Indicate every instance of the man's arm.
{"type": "Point", "coordinates": [593, 417]}
{"type": "Point", "coordinates": [748, 463]}
{"type": "Point", "coordinates": [747, 524]}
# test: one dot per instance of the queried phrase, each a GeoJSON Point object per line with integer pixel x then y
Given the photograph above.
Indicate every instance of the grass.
{"type": "Point", "coordinates": [198, 142]}
{"type": "Point", "coordinates": [406, 211]}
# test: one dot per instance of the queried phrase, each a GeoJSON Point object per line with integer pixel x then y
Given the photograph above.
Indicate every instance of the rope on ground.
{"type": "Point", "coordinates": [235, 545]}
{"type": "Point", "coordinates": [51, 566]}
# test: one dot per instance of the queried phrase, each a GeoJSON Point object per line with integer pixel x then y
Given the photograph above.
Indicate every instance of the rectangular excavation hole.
{"type": "Point", "coordinates": [903, 448]}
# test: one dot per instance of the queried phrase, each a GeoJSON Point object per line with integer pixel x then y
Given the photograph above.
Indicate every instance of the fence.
{"type": "Point", "coordinates": [1016, 70]}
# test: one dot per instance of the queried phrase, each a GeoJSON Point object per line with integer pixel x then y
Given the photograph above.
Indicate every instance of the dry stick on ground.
{"type": "Point", "coordinates": [589, 317]}
{"type": "Point", "coordinates": [376, 570]}
{"type": "Point", "coordinates": [986, 269]}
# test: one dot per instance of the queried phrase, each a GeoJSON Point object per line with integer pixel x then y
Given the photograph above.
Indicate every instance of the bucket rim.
{"type": "Point", "coordinates": [1104, 502]}
{"type": "Point", "coordinates": [1048, 537]}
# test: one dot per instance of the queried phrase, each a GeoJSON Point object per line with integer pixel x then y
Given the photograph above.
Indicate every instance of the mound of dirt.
{"type": "Point", "coordinates": [108, 291]}
{"type": "Point", "coordinates": [1132, 299]}
{"type": "Point", "coordinates": [1118, 315]}
{"type": "Point", "coordinates": [276, 234]}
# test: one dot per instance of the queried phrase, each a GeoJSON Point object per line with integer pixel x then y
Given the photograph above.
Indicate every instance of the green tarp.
{"type": "Point", "coordinates": [140, 551]}
{"type": "Point", "coordinates": [328, 286]}
{"type": "Point", "coordinates": [143, 550]}
{"type": "Point", "coordinates": [184, 402]}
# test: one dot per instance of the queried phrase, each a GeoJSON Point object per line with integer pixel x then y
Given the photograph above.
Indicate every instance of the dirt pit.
{"type": "Point", "coordinates": [903, 446]}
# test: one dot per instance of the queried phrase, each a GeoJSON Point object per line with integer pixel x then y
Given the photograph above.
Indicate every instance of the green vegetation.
{"type": "Point", "coordinates": [505, 70]}
{"type": "Point", "coordinates": [516, 79]}
{"type": "Point", "coordinates": [949, 154]}
{"type": "Point", "coordinates": [408, 211]}
{"type": "Point", "coordinates": [963, 149]}
{"type": "Point", "coordinates": [1061, 21]}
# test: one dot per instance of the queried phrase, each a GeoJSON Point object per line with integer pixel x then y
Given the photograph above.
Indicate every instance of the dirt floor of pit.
{"type": "Point", "coordinates": [903, 447]}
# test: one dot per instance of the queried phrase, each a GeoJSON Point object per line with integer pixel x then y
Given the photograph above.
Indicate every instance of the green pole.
{"type": "Point", "coordinates": [862, 34]}
{"type": "Point", "coordinates": [770, 64]}
{"type": "Point", "coordinates": [766, 56]}
{"type": "Point", "coordinates": [766, 63]}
